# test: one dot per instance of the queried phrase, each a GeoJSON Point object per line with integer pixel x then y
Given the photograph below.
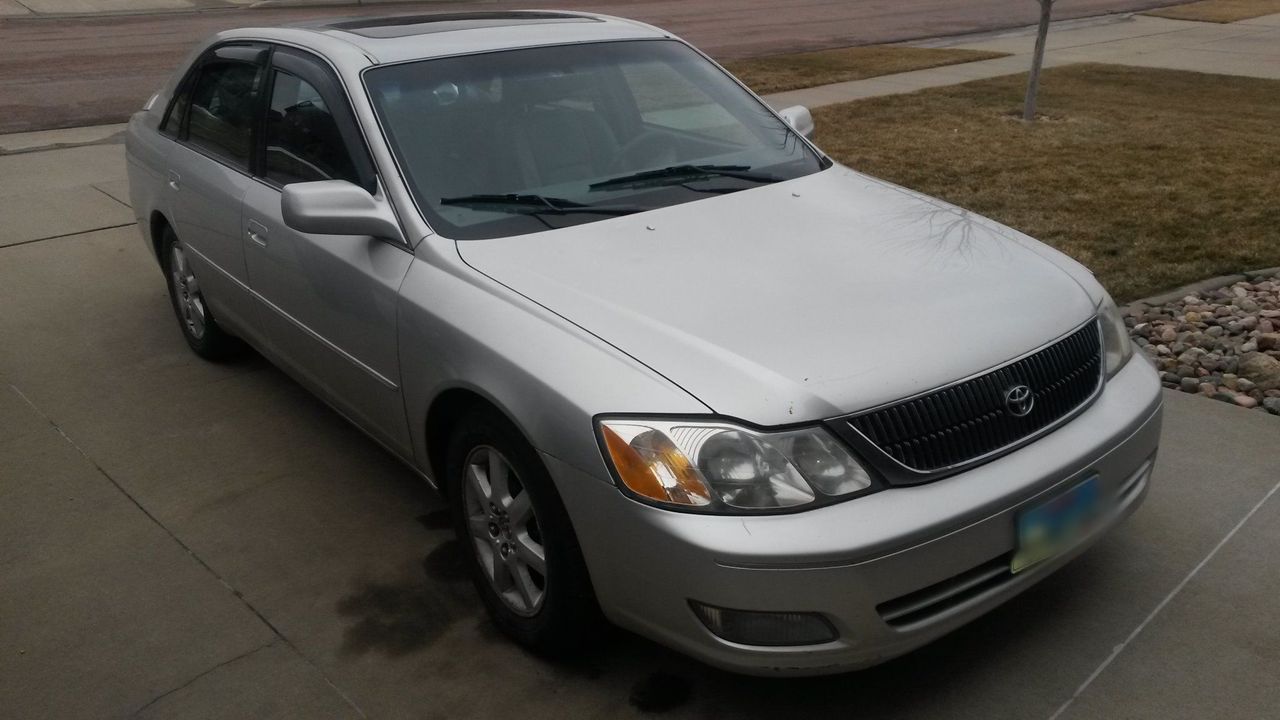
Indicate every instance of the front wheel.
{"type": "Point", "coordinates": [523, 553]}
{"type": "Point", "coordinates": [200, 330]}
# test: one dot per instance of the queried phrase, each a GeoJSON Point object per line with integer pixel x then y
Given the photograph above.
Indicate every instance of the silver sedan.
{"type": "Point", "coordinates": [672, 367]}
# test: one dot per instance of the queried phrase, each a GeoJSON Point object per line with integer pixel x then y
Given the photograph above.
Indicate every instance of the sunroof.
{"type": "Point", "coordinates": [406, 25]}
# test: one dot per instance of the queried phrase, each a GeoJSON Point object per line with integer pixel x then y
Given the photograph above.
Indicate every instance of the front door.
{"type": "Point", "coordinates": [327, 303]}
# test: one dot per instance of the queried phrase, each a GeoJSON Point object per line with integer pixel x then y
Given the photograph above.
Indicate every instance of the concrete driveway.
{"type": "Point", "coordinates": [181, 539]}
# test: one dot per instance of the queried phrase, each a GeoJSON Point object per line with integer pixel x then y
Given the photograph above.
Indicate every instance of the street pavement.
{"type": "Point", "coordinates": [60, 71]}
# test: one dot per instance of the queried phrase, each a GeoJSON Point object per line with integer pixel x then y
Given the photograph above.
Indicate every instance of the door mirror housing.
{"type": "Point", "coordinates": [800, 119]}
{"type": "Point", "coordinates": [337, 207]}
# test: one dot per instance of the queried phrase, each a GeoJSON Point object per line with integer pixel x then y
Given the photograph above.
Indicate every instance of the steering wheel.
{"type": "Point", "coordinates": [648, 148]}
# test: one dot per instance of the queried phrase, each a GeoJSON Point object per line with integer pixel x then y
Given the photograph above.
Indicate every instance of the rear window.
{"type": "Point", "coordinates": [220, 119]}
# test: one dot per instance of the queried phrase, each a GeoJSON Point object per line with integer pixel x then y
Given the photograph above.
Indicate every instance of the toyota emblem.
{"type": "Point", "coordinates": [1019, 400]}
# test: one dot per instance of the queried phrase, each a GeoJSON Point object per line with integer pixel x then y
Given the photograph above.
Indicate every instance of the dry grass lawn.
{"type": "Point", "coordinates": [1151, 178]}
{"type": "Point", "coordinates": [1218, 11]}
{"type": "Point", "coordinates": [776, 73]}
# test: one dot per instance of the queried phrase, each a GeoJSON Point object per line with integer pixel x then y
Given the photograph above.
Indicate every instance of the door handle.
{"type": "Point", "coordinates": [175, 180]}
{"type": "Point", "coordinates": [257, 233]}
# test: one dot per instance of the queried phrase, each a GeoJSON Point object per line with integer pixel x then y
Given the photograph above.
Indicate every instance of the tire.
{"type": "Point", "coordinates": [564, 619]}
{"type": "Point", "coordinates": [195, 319]}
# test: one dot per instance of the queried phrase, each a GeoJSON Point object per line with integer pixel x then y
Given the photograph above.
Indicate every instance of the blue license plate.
{"type": "Point", "coordinates": [1054, 526]}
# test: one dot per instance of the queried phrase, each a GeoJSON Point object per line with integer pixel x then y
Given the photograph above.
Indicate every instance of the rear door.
{"type": "Point", "coordinates": [212, 119]}
{"type": "Point", "coordinates": [328, 301]}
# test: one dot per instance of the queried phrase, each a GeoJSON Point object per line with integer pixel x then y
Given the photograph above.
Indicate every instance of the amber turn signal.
{"type": "Point", "coordinates": [652, 466]}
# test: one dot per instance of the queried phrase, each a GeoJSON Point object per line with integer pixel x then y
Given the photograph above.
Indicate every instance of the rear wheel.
{"type": "Point", "coordinates": [524, 556]}
{"type": "Point", "coordinates": [199, 328]}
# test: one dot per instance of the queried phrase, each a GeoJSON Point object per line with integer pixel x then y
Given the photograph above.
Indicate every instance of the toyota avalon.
{"type": "Point", "coordinates": [671, 366]}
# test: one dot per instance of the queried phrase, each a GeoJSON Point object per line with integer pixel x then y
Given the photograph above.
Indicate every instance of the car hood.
{"type": "Point", "coordinates": [801, 300]}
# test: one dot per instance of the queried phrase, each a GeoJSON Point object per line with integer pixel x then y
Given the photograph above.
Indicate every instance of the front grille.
{"type": "Point", "coordinates": [970, 420]}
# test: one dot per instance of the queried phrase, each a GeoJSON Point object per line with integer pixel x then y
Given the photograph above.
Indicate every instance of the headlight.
{"type": "Point", "coordinates": [1116, 346]}
{"type": "Point", "coordinates": [720, 467]}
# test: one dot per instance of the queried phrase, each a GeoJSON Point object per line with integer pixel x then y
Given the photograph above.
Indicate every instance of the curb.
{"type": "Point", "coordinates": [1195, 288]}
{"type": "Point", "coordinates": [41, 140]}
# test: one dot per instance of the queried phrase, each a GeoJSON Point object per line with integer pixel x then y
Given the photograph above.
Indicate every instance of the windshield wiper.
{"type": "Point", "coordinates": [678, 174]}
{"type": "Point", "coordinates": [522, 203]}
{"type": "Point", "coordinates": [536, 206]}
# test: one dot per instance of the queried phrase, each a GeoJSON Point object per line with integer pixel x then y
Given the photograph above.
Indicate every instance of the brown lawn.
{"type": "Point", "coordinates": [1152, 178]}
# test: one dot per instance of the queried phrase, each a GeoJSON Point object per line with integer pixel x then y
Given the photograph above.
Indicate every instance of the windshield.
{"type": "Point", "coordinates": [521, 141]}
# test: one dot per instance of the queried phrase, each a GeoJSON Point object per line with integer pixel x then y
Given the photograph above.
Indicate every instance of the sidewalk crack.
{"type": "Point", "coordinates": [193, 680]}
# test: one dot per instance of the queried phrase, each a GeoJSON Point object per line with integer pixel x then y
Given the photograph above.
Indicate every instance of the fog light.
{"type": "Point", "coordinates": [748, 627]}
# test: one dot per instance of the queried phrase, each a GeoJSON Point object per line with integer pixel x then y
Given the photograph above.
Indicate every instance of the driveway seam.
{"type": "Point", "coordinates": [1115, 652]}
{"type": "Point", "coordinates": [190, 682]}
{"type": "Point", "coordinates": [239, 596]}
{"type": "Point", "coordinates": [113, 197]}
{"type": "Point", "coordinates": [67, 235]}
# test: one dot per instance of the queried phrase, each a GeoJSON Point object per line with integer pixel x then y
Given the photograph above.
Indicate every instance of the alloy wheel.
{"type": "Point", "coordinates": [187, 292]}
{"type": "Point", "coordinates": [505, 532]}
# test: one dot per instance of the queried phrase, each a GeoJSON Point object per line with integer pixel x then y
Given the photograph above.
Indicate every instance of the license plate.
{"type": "Point", "coordinates": [1052, 527]}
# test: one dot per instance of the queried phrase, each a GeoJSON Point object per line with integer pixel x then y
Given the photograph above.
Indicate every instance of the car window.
{"type": "Point", "coordinates": [172, 124]}
{"type": "Point", "coordinates": [220, 119]}
{"type": "Point", "coordinates": [303, 142]}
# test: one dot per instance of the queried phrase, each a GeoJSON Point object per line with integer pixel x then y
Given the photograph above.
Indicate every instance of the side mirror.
{"type": "Point", "coordinates": [799, 118]}
{"type": "Point", "coordinates": [337, 207]}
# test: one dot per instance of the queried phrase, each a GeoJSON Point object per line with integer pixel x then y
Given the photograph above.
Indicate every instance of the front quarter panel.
{"type": "Point", "coordinates": [459, 329]}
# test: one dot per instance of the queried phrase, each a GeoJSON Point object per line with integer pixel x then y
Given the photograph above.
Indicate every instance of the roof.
{"type": "Point", "coordinates": [425, 24]}
{"type": "Point", "coordinates": [410, 37]}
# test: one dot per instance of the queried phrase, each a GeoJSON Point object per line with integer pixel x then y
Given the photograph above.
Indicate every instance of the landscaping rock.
{"type": "Point", "coordinates": [1263, 370]}
{"type": "Point", "coordinates": [1222, 343]}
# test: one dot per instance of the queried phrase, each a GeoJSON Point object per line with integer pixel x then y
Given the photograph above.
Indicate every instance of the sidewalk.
{"type": "Point", "coordinates": [1249, 47]}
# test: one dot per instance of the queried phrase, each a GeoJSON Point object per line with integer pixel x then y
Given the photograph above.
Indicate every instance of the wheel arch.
{"type": "Point", "coordinates": [156, 226]}
{"type": "Point", "coordinates": [442, 416]}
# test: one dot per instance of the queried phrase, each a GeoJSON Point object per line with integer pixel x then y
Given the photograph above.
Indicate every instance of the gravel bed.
{"type": "Point", "coordinates": [1223, 343]}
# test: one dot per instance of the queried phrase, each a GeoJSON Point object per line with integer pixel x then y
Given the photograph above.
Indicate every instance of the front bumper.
{"type": "Point", "coordinates": [891, 571]}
